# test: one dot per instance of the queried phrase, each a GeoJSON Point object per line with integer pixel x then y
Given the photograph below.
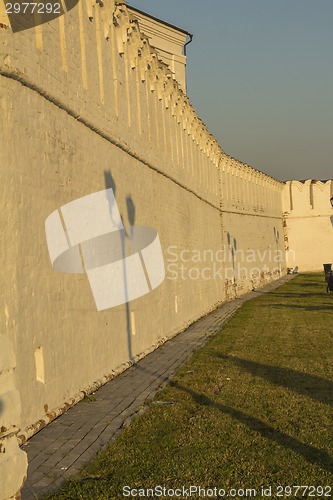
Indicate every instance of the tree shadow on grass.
{"type": "Point", "coordinates": [310, 282]}
{"type": "Point", "coordinates": [305, 308]}
{"type": "Point", "coordinates": [312, 386]}
{"type": "Point", "coordinates": [316, 388]}
{"type": "Point", "coordinates": [308, 452]}
{"type": "Point", "coordinates": [299, 295]}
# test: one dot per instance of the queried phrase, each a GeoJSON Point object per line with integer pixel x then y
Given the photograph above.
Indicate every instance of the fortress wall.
{"type": "Point", "coordinates": [51, 317]}
{"type": "Point", "coordinates": [309, 224]}
{"type": "Point", "coordinates": [105, 74]}
{"type": "Point", "coordinates": [252, 226]}
{"type": "Point", "coordinates": [13, 461]}
{"type": "Point", "coordinates": [85, 106]}
{"type": "Point", "coordinates": [246, 190]}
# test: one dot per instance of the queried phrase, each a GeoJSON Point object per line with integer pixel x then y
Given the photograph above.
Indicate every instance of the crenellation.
{"type": "Point", "coordinates": [308, 217]}
{"type": "Point", "coordinates": [102, 109]}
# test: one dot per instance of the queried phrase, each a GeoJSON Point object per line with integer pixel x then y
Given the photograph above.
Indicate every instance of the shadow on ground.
{"type": "Point", "coordinates": [323, 307]}
{"type": "Point", "coordinates": [314, 387]}
{"type": "Point", "coordinates": [309, 453]}
{"type": "Point", "coordinates": [293, 295]}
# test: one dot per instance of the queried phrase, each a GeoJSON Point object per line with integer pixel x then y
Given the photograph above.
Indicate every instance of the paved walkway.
{"type": "Point", "coordinates": [62, 448]}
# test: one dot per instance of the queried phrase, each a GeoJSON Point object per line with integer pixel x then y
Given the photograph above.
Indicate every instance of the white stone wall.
{"type": "Point", "coordinates": [13, 461]}
{"type": "Point", "coordinates": [308, 224]}
{"type": "Point", "coordinates": [168, 41]}
{"type": "Point", "coordinates": [87, 105]}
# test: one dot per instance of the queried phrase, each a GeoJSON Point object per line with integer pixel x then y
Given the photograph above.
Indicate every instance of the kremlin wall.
{"type": "Point", "coordinates": [88, 104]}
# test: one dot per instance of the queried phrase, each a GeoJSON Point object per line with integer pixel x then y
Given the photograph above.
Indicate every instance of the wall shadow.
{"type": "Point", "coordinates": [123, 235]}
{"type": "Point", "coordinates": [308, 452]}
{"type": "Point", "coordinates": [311, 386]}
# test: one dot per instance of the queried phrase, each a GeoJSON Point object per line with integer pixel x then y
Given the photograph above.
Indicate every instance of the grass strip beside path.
{"type": "Point", "coordinates": [252, 408]}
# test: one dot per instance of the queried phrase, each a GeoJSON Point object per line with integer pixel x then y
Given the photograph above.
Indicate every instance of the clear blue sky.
{"type": "Point", "coordinates": [260, 75]}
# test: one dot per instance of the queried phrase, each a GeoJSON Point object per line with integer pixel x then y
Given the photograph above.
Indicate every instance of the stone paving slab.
{"type": "Point", "coordinates": [61, 449]}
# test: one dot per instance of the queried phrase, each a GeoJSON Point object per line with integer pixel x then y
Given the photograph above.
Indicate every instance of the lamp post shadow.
{"type": "Point", "coordinates": [277, 239]}
{"type": "Point", "coordinates": [233, 250]}
{"type": "Point", "coordinates": [125, 239]}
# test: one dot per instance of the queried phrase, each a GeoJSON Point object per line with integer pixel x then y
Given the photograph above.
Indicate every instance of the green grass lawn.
{"type": "Point", "coordinates": [252, 408]}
